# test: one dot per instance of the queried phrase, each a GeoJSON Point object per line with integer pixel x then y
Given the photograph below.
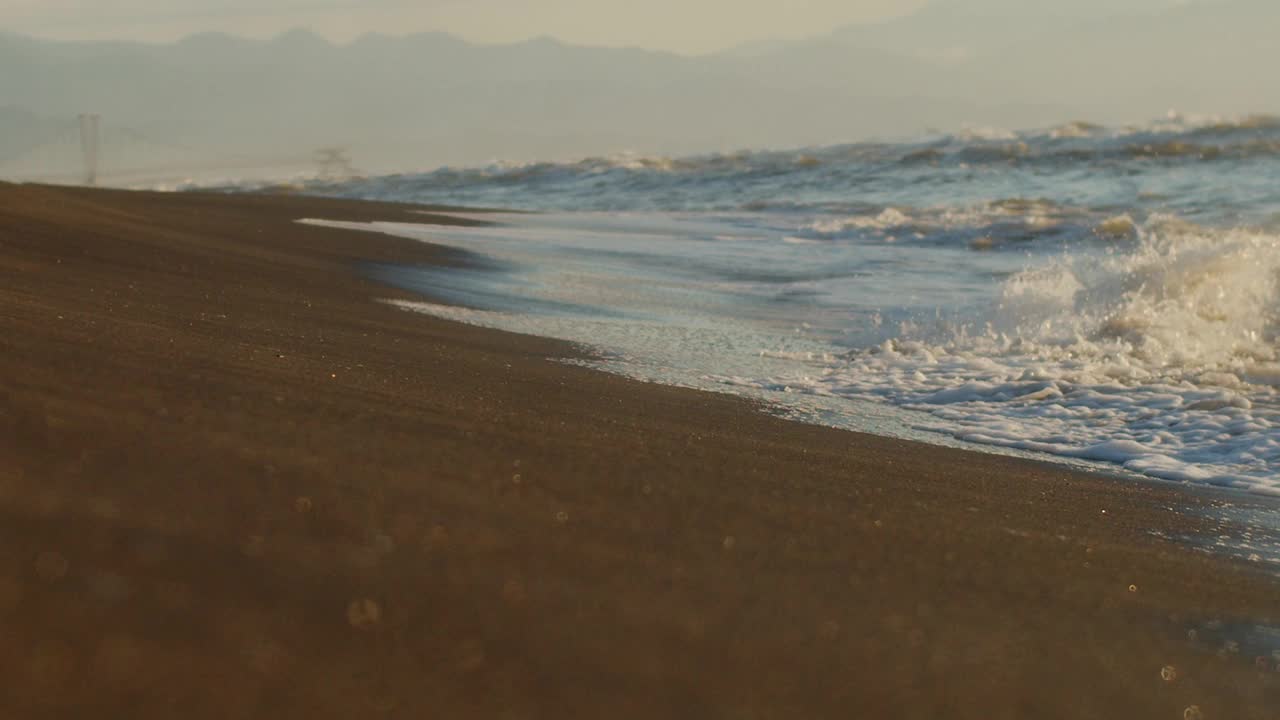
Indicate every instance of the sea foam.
{"type": "Point", "coordinates": [1157, 354]}
{"type": "Point", "coordinates": [1161, 358]}
{"type": "Point", "coordinates": [1097, 293]}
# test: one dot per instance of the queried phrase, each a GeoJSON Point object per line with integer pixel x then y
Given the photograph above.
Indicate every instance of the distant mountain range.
{"type": "Point", "coordinates": [215, 102]}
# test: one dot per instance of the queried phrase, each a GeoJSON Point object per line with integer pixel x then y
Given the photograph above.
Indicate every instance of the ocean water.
{"type": "Point", "coordinates": [1089, 294]}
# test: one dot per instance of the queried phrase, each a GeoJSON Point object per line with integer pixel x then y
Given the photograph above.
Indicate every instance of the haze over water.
{"type": "Point", "coordinates": [1106, 294]}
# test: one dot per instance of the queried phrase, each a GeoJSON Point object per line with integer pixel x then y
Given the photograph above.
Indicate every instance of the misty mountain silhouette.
{"type": "Point", "coordinates": [428, 99]}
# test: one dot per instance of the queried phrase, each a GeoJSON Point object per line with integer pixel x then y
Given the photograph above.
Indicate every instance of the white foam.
{"type": "Point", "coordinates": [1161, 359]}
{"type": "Point", "coordinates": [885, 220]}
{"type": "Point", "coordinates": [1025, 214]}
{"type": "Point", "coordinates": [986, 133]}
{"type": "Point", "coordinates": [1157, 354]}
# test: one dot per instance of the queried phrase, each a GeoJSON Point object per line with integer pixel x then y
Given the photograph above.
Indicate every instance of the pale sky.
{"type": "Point", "coordinates": [687, 26]}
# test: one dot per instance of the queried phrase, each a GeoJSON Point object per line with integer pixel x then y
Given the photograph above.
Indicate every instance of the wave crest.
{"type": "Point", "coordinates": [1161, 358]}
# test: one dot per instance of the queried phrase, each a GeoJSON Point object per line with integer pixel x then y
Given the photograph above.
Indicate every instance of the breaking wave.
{"type": "Point", "coordinates": [1163, 358]}
{"type": "Point", "coordinates": [817, 177]}
{"type": "Point", "coordinates": [1106, 293]}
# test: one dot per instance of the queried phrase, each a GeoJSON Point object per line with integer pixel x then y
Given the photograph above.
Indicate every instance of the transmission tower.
{"type": "Point", "coordinates": [89, 143]}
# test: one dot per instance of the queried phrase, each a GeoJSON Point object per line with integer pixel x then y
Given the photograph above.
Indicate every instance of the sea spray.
{"type": "Point", "coordinates": [1161, 357]}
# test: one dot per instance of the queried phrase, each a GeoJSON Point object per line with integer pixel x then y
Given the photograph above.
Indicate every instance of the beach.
{"type": "Point", "coordinates": [235, 484]}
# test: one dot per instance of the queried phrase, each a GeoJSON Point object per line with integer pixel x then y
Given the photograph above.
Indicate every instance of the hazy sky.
{"type": "Point", "coordinates": [690, 26]}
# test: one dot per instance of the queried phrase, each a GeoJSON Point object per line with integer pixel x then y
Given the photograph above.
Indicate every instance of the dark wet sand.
{"type": "Point", "coordinates": [233, 485]}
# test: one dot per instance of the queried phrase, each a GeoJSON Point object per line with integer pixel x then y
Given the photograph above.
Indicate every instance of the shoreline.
{"type": "Point", "coordinates": [595, 357]}
{"type": "Point", "coordinates": [224, 459]}
{"type": "Point", "coordinates": [570, 276]}
{"type": "Point", "coordinates": [903, 427]}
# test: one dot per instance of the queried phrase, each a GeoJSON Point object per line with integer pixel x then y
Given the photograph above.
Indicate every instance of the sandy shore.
{"type": "Point", "coordinates": [233, 485]}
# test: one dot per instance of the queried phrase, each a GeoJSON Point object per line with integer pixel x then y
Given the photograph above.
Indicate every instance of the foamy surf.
{"type": "Point", "coordinates": [1092, 294]}
{"type": "Point", "coordinates": [1159, 357]}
